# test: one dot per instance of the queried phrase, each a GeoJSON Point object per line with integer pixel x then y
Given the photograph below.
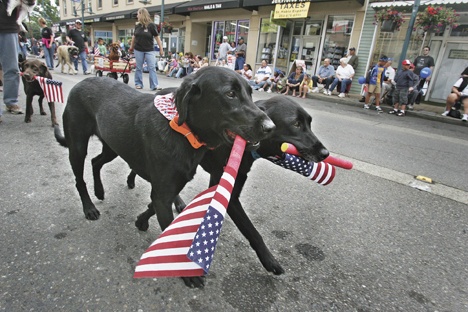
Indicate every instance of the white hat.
{"type": "Point", "coordinates": [78, 21]}
{"type": "Point", "coordinates": [225, 38]}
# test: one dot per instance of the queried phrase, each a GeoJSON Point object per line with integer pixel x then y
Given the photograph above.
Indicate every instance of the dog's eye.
{"type": "Point", "coordinates": [231, 94]}
{"type": "Point", "coordinates": [297, 124]}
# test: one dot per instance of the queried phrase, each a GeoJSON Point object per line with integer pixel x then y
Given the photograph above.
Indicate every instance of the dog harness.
{"type": "Point", "coordinates": [166, 106]}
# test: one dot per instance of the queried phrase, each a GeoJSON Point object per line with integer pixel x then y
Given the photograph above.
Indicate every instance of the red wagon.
{"type": "Point", "coordinates": [123, 67]}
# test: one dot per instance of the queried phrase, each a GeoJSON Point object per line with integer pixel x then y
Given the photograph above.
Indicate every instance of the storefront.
{"type": "Point", "coordinates": [448, 47]}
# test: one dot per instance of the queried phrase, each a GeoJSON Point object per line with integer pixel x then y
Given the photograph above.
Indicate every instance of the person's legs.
{"type": "Point", "coordinates": [51, 55]}
{"type": "Point", "coordinates": [333, 85]}
{"type": "Point", "coordinates": [9, 61]}
{"type": "Point", "coordinates": [84, 63]}
{"type": "Point", "coordinates": [47, 57]}
{"type": "Point", "coordinates": [75, 61]}
{"type": "Point", "coordinates": [139, 59]}
{"type": "Point", "coordinates": [315, 81]}
{"type": "Point", "coordinates": [150, 58]}
{"type": "Point", "coordinates": [465, 107]}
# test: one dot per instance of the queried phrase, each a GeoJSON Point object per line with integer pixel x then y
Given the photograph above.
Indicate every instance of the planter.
{"type": "Point", "coordinates": [167, 29]}
{"type": "Point", "coordinates": [436, 29]}
{"type": "Point", "coordinates": [388, 26]}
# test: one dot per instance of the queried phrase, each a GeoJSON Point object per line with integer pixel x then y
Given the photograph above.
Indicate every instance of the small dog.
{"type": "Point", "coordinates": [31, 68]}
{"type": "Point", "coordinates": [114, 52]}
{"type": "Point", "coordinates": [25, 8]}
{"type": "Point", "coordinates": [65, 56]}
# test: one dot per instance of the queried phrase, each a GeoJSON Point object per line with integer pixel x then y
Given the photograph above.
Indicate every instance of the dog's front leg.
{"type": "Point", "coordinates": [41, 108]}
{"type": "Point", "coordinates": [53, 117]}
{"type": "Point", "coordinates": [29, 107]}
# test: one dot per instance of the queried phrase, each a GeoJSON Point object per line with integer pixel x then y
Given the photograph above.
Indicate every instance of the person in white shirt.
{"type": "Point", "coordinates": [246, 72]}
{"type": "Point", "coordinates": [224, 48]}
{"type": "Point", "coordinates": [344, 74]}
{"type": "Point", "coordinates": [261, 77]}
{"type": "Point", "coordinates": [389, 78]}
{"type": "Point", "coordinates": [459, 93]}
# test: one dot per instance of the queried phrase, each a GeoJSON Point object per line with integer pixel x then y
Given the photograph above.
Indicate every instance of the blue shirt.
{"type": "Point", "coordinates": [326, 72]}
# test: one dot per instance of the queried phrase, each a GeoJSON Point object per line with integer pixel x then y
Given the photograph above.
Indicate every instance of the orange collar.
{"type": "Point", "coordinates": [186, 132]}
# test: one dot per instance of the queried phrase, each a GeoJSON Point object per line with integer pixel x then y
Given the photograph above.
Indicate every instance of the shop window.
{"type": "Point", "coordinates": [267, 44]}
{"type": "Point", "coordinates": [64, 5]}
{"type": "Point", "coordinates": [232, 29]}
{"type": "Point", "coordinates": [99, 4]}
{"type": "Point", "coordinates": [106, 35]}
{"type": "Point", "coordinates": [462, 29]}
{"type": "Point", "coordinates": [125, 36]}
{"type": "Point", "coordinates": [337, 37]}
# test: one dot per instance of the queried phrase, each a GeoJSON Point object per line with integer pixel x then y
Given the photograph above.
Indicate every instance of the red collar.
{"type": "Point", "coordinates": [186, 132]}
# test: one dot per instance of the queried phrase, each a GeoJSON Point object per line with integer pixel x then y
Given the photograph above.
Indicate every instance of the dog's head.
{"type": "Point", "coordinates": [73, 52]}
{"type": "Point", "coordinates": [32, 67]}
{"type": "Point", "coordinates": [293, 125]}
{"type": "Point", "coordinates": [216, 103]}
{"type": "Point", "coordinates": [114, 47]}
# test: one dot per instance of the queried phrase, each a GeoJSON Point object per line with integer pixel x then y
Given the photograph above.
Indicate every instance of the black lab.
{"type": "Point", "coordinates": [213, 102]}
{"type": "Point", "coordinates": [30, 69]}
{"type": "Point", "coordinates": [293, 125]}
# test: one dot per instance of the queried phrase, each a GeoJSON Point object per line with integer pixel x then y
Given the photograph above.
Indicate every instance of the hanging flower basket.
{"type": "Point", "coordinates": [389, 19]}
{"type": "Point", "coordinates": [167, 27]}
{"type": "Point", "coordinates": [388, 26]}
{"type": "Point", "coordinates": [434, 19]}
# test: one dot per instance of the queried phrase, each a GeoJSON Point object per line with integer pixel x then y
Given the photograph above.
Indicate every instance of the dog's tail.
{"type": "Point", "coordinates": [59, 137]}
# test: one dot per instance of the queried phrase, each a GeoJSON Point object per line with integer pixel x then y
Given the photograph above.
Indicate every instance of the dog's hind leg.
{"type": "Point", "coordinates": [131, 179]}
{"type": "Point", "coordinates": [142, 222]}
{"type": "Point", "coordinates": [107, 155]}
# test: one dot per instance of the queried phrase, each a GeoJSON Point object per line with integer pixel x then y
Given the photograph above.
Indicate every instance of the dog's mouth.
{"type": "Point", "coordinates": [230, 136]}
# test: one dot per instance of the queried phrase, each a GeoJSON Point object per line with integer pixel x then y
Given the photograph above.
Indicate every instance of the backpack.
{"type": "Point", "coordinates": [455, 113]}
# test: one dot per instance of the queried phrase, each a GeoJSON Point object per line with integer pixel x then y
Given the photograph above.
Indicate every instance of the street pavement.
{"type": "Point", "coordinates": [375, 239]}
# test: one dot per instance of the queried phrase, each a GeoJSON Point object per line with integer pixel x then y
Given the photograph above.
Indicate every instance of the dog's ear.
{"type": "Point", "coordinates": [21, 65]}
{"type": "Point", "coordinates": [184, 96]}
{"type": "Point", "coordinates": [43, 70]}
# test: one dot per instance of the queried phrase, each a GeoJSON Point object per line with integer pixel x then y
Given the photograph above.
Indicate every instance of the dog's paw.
{"type": "Point", "coordinates": [92, 213]}
{"type": "Point", "coordinates": [130, 183]}
{"type": "Point", "coordinates": [194, 282]}
{"type": "Point", "coordinates": [27, 119]}
{"type": "Point", "coordinates": [270, 263]}
{"type": "Point", "coordinates": [142, 223]}
{"type": "Point", "coordinates": [43, 113]}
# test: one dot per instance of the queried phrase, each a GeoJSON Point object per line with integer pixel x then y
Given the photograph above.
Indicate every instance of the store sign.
{"type": "Point", "coordinates": [214, 6]}
{"type": "Point", "coordinates": [111, 18]}
{"type": "Point", "coordinates": [273, 21]}
{"type": "Point", "coordinates": [458, 54]}
{"type": "Point", "coordinates": [284, 10]}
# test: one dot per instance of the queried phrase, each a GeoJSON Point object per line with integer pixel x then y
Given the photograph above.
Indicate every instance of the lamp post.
{"type": "Point", "coordinates": [409, 32]}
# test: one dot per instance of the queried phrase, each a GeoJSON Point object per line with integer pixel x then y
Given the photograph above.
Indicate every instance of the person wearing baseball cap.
{"type": "Point", "coordinates": [374, 81]}
{"type": "Point", "coordinates": [405, 81]}
{"type": "Point", "coordinates": [353, 59]}
{"type": "Point", "coordinates": [78, 38]}
{"type": "Point", "coordinates": [240, 54]}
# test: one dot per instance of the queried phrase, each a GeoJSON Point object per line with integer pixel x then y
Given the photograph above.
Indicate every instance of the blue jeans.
{"type": "Point", "coordinates": [9, 61]}
{"type": "Point", "coordinates": [84, 63]}
{"type": "Point", "coordinates": [240, 61]}
{"type": "Point", "coordinates": [49, 56]}
{"type": "Point", "coordinates": [150, 58]}
{"type": "Point", "coordinates": [344, 84]}
{"type": "Point", "coordinates": [257, 86]}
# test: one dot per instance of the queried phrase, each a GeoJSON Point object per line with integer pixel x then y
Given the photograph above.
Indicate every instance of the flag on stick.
{"type": "Point", "coordinates": [96, 51]}
{"type": "Point", "coordinates": [52, 89]}
{"type": "Point", "coordinates": [186, 247]}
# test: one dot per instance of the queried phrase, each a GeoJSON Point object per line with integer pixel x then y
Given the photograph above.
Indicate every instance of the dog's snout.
{"type": "Point", "coordinates": [268, 126]}
{"type": "Point", "coordinates": [324, 153]}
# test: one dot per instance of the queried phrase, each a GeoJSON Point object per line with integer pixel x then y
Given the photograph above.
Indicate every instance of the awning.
{"type": "Point", "coordinates": [88, 19]}
{"type": "Point", "coordinates": [110, 17]}
{"type": "Point", "coordinates": [257, 3]}
{"type": "Point", "coordinates": [168, 8]}
{"type": "Point", "coordinates": [206, 5]}
{"type": "Point", "coordinates": [411, 3]}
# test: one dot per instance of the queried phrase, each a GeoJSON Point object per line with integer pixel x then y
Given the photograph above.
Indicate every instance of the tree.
{"type": "Point", "coordinates": [47, 9]}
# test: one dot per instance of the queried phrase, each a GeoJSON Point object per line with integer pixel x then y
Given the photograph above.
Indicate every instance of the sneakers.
{"type": "Point", "coordinates": [445, 113]}
{"type": "Point", "coordinates": [410, 107]}
{"type": "Point", "coordinates": [156, 89]}
{"type": "Point", "coordinates": [363, 99]}
{"type": "Point", "coordinates": [268, 91]}
{"type": "Point", "coordinates": [261, 90]}
{"type": "Point", "coordinates": [341, 95]}
{"type": "Point", "coordinates": [378, 109]}
{"type": "Point", "coordinates": [366, 106]}
{"type": "Point", "coordinates": [465, 117]}
{"type": "Point", "coordinates": [325, 91]}
{"type": "Point", "coordinates": [315, 90]}
{"type": "Point", "coordinates": [401, 113]}
{"type": "Point", "coordinates": [329, 92]}
{"type": "Point", "coordinates": [14, 109]}
{"type": "Point", "coordinates": [86, 73]}
{"type": "Point", "coordinates": [393, 112]}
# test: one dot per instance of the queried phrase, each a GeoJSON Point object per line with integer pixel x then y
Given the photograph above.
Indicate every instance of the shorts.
{"type": "Point", "coordinates": [375, 89]}
{"type": "Point", "coordinates": [463, 97]}
{"type": "Point", "coordinates": [400, 96]}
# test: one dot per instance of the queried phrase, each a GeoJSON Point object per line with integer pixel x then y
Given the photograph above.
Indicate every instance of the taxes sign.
{"type": "Point", "coordinates": [291, 10]}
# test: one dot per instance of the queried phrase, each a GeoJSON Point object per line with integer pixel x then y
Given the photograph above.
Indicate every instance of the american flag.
{"type": "Point", "coordinates": [96, 51]}
{"type": "Point", "coordinates": [52, 89]}
{"type": "Point", "coordinates": [186, 247]}
{"type": "Point", "coordinates": [321, 172]}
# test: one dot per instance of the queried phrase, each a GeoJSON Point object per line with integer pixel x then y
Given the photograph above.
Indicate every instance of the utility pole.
{"type": "Point", "coordinates": [414, 13]}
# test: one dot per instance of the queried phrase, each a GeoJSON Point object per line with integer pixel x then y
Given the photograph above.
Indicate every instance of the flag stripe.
{"type": "Point", "coordinates": [52, 89]}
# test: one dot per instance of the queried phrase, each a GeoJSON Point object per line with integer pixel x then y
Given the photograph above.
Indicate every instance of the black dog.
{"type": "Point", "coordinates": [293, 125]}
{"type": "Point", "coordinates": [214, 102]}
{"type": "Point", "coordinates": [31, 68]}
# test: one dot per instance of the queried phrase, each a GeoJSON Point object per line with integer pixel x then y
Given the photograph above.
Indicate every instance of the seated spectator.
{"type": "Point", "coordinates": [173, 67]}
{"type": "Point", "coordinates": [344, 74]}
{"type": "Point", "coordinates": [185, 66]}
{"type": "Point", "coordinates": [324, 76]}
{"type": "Point", "coordinates": [405, 80]}
{"type": "Point", "coordinates": [102, 47]}
{"type": "Point", "coordinates": [294, 81]}
{"type": "Point", "coordinates": [273, 81]}
{"type": "Point", "coordinates": [415, 92]}
{"type": "Point", "coordinates": [197, 63]}
{"type": "Point", "coordinates": [305, 87]}
{"type": "Point", "coordinates": [246, 72]}
{"type": "Point", "coordinates": [459, 94]}
{"type": "Point", "coordinates": [261, 77]}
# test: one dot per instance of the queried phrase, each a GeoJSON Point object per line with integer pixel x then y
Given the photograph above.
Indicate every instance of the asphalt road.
{"type": "Point", "coordinates": [375, 239]}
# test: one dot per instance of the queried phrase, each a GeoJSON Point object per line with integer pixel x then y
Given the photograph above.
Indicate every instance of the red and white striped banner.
{"type": "Point", "coordinates": [52, 89]}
